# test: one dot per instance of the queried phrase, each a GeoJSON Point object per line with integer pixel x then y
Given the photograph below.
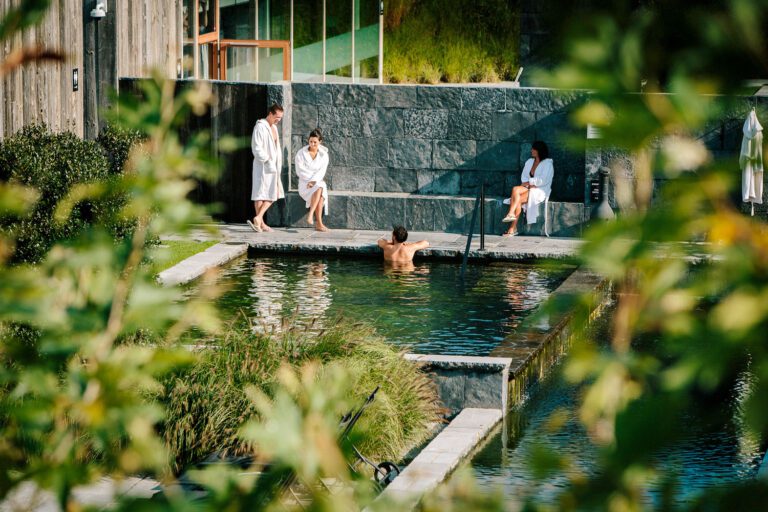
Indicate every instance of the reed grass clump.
{"type": "Point", "coordinates": [206, 403]}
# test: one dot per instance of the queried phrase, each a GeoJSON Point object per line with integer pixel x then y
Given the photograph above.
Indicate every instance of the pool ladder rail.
{"type": "Point", "coordinates": [479, 205]}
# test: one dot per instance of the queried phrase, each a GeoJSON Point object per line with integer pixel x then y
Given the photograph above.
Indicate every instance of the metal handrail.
{"type": "Point", "coordinates": [479, 205]}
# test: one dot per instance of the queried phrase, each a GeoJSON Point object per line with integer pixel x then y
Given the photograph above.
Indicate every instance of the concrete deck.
{"type": "Point", "coordinates": [442, 245]}
{"type": "Point", "coordinates": [196, 265]}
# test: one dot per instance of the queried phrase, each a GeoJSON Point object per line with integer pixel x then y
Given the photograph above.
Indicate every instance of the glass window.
{"type": "Point", "coordinates": [189, 27]}
{"type": "Point", "coordinates": [308, 40]}
{"type": "Point", "coordinates": [187, 61]}
{"type": "Point", "coordinates": [367, 39]}
{"type": "Point", "coordinates": [206, 62]}
{"type": "Point", "coordinates": [238, 19]}
{"type": "Point", "coordinates": [241, 64]}
{"type": "Point", "coordinates": [270, 64]}
{"type": "Point", "coordinates": [274, 20]}
{"type": "Point", "coordinates": [206, 16]}
{"type": "Point", "coordinates": [338, 43]}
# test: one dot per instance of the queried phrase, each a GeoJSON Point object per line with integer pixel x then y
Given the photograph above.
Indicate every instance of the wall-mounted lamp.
{"type": "Point", "coordinates": [100, 11]}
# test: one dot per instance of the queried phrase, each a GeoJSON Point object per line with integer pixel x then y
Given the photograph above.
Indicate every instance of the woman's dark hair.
{"type": "Point", "coordinates": [316, 133]}
{"type": "Point", "coordinates": [542, 149]}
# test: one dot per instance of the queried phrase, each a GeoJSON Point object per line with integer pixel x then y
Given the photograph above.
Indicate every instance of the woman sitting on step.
{"type": "Point", "coordinates": [535, 188]}
{"type": "Point", "coordinates": [311, 164]}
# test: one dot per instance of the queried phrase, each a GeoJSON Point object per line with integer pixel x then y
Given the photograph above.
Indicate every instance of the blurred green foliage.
{"type": "Point", "coordinates": [54, 165]}
{"type": "Point", "coordinates": [690, 272]}
{"type": "Point", "coordinates": [72, 400]}
{"type": "Point", "coordinates": [689, 269]}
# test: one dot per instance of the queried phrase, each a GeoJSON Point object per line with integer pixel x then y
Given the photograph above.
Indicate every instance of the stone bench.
{"type": "Point", "coordinates": [450, 214]}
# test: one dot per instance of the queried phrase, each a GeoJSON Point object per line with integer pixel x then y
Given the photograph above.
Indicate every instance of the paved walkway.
{"type": "Point", "coordinates": [347, 241]}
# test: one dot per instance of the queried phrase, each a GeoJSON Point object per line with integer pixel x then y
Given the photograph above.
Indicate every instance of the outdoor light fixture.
{"type": "Point", "coordinates": [75, 81]}
{"type": "Point", "coordinates": [100, 11]}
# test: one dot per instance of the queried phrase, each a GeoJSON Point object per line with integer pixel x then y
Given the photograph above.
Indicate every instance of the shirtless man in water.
{"type": "Point", "coordinates": [397, 250]}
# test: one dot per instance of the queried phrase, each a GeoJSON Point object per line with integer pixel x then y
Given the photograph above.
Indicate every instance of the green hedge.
{"type": "Point", "coordinates": [53, 163]}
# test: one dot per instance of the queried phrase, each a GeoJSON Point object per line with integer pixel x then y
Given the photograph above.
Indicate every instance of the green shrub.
{"type": "Point", "coordinates": [206, 404]}
{"type": "Point", "coordinates": [53, 163]}
{"type": "Point", "coordinates": [117, 142]}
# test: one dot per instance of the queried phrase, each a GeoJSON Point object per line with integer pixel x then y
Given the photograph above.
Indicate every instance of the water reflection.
{"type": "Point", "coordinates": [313, 295]}
{"type": "Point", "coordinates": [425, 305]}
{"type": "Point", "coordinates": [279, 301]}
{"type": "Point", "coordinates": [267, 293]}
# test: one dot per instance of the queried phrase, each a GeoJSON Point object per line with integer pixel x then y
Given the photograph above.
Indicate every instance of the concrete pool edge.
{"type": "Point", "coordinates": [196, 265]}
{"type": "Point", "coordinates": [435, 463]}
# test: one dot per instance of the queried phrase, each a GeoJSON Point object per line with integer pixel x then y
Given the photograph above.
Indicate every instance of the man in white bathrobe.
{"type": "Point", "coordinates": [267, 163]}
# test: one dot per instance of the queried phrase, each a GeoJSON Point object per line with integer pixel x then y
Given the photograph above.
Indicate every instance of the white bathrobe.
{"type": "Point", "coordinates": [308, 170]}
{"type": "Point", "coordinates": [751, 161]}
{"type": "Point", "coordinates": [267, 162]}
{"type": "Point", "coordinates": [542, 180]}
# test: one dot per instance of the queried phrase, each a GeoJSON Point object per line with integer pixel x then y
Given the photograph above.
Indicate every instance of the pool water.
{"type": "Point", "coordinates": [426, 305]}
{"type": "Point", "coordinates": [708, 454]}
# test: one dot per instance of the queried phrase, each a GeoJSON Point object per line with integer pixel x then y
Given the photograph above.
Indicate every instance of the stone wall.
{"type": "Point", "coordinates": [436, 140]}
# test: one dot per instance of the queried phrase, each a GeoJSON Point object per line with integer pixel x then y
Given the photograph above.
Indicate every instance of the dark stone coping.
{"type": "Point", "coordinates": [531, 338]}
{"type": "Point", "coordinates": [474, 363]}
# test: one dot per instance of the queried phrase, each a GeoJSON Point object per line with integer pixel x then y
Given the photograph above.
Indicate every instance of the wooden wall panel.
{"type": "Point", "coordinates": [42, 92]}
{"type": "Point", "coordinates": [148, 37]}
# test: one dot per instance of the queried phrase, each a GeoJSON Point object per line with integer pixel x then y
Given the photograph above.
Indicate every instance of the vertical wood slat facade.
{"type": "Point", "coordinates": [42, 92]}
{"type": "Point", "coordinates": [147, 36]}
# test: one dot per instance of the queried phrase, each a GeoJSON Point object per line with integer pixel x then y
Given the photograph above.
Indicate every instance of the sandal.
{"type": "Point", "coordinates": [507, 235]}
{"type": "Point", "coordinates": [509, 218]}
{"type": "Point", "coordinates": [254, 226]}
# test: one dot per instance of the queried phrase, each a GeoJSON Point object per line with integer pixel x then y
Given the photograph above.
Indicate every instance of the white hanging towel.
{"type": "Point", "coordinates": [751, 161]}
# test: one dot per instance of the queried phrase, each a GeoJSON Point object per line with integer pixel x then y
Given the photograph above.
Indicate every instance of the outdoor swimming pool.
{"type": "Point", "coordinates": [427, 306]}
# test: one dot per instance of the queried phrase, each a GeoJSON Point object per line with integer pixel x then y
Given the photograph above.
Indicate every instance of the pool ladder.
{"type": "Point", "coordinates": [479, 205]}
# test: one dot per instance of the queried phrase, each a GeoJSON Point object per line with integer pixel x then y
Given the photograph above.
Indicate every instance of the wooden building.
{"type": "Point", "coordinates": [133, 37]}
{"type": "Point", "coordinates": [237, 40]}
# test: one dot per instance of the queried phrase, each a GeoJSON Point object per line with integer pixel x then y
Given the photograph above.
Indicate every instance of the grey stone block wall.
{"type": "Point", "coordinates": [467, 381]}
{"type": "Point", "coordinates": [451, 214]}
{"type": "Point", "coordinates": [437, 139]}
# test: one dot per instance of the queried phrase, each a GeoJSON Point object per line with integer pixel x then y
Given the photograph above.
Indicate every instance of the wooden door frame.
{"type": "Point", "coordinates": [285, 45]}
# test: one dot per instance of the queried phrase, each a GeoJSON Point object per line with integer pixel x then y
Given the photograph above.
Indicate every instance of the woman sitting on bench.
{"type": "Point", "coordinates": [535, 188]}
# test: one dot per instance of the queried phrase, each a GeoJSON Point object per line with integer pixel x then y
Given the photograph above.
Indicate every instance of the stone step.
{"type": "Point", "coordinates": [449, 214]}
